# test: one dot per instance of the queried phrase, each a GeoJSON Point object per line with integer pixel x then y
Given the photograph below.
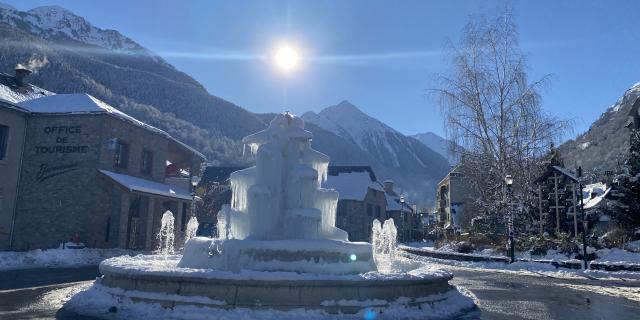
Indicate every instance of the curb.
{"type": "Point", "coordinates": [577, 265]}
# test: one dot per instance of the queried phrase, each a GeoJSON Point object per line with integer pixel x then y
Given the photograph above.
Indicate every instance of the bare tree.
{"type": "Point", "coordinates": [493, 112]}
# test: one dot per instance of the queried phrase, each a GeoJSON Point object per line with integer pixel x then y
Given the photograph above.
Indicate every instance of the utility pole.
{"type": "Point", "coordinates": [575, 211]}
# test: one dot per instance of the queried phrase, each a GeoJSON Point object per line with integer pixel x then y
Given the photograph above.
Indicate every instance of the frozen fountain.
{"type": "Point", "coordinates": [278, 249]}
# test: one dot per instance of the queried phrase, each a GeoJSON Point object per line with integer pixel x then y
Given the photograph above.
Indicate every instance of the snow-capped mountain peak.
{"type": "Point", "coordinates": [56, 22]}
{"type": "Point", "coordinates": [437, 144]}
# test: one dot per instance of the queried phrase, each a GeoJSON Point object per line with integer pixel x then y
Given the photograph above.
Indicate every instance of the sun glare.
{"type": "Point", "coordinates": [286, 58]}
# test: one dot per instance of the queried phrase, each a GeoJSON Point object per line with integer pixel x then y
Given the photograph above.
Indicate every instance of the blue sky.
{"type": "Point", "coordinates": [380, 55]}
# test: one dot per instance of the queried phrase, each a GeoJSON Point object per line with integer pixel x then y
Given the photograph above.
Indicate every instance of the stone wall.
{"type": "Point", "coordinates": [9, 172]}
{"type": "Point", "coordinates": [354, 217]}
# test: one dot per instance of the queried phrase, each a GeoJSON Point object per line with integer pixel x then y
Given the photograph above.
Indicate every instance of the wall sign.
{"type": "Point", "coordinates": [61, 142]}
{"type": "Point", "coordinates": [47, 171]}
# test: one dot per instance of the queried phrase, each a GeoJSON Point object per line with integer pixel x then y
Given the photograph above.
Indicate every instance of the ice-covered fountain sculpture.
{"type": "Point", "coordinates": [280, 219]}
{"type": "Point", "coordinates": [278, 250]}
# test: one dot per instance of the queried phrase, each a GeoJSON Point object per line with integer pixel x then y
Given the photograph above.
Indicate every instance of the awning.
{"type": "Point", "coordinates": [146, 186]}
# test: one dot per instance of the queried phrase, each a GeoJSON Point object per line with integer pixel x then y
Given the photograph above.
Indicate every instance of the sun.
{"type": "Point", "coordinates": [286, 58]}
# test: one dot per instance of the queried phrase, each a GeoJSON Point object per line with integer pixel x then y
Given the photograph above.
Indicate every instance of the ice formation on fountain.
{"type": "Point", "coordinates": [280, 198]}
{"type": "Point", "coordinates": [166, 236]}
{"type": "Point", "coordinates": [280, 218]}
{"type": "Point", "coordinates": [384, 243]}
{"type": "Point", "coordinates": [191, 229]}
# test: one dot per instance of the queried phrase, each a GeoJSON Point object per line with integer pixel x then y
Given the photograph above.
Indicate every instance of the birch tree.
{"type": "Point", "coordinates": [493, 113]}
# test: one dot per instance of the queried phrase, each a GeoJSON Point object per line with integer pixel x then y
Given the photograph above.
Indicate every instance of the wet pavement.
{"type": "Point", "coordinates": [40, 294]}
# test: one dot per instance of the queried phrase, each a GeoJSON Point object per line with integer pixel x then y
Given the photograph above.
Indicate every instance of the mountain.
{"type": "Point", "coordinates": [414, 167]}
{"type": "Point", "coordinates": [70, 55]}
{"type": "Point", "coordinates": [606, 144]}
{"type": "Point", "coordinates": [437, 144]}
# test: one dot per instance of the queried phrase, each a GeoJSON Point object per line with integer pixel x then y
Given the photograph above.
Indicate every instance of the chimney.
{"type": "Point", "coordinates": [21, 73]}
{"type": "Point", "coordinates": [388, 186]}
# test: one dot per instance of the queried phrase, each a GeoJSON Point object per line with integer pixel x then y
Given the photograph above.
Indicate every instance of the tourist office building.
{"type": "Point", "coordinates": [73, 167]}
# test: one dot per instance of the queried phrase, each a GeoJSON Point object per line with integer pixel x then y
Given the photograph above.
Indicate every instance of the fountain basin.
{"type": "Point", "coordinates": [145, 279]}
{"type": "Point", "coordinates": [319, 256]}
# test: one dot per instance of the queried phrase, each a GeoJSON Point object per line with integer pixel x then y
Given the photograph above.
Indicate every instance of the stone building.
{"type": "Point", "coordinates": [96, 174]}
{"type": "Point", "coordinates": [404, 215]}
{"type": "Point", "coordinates": [454, 202]}
{"type": "Point", "coordinates": [13, 120]}
{"type": "Point", "coordinates": [361, 200]}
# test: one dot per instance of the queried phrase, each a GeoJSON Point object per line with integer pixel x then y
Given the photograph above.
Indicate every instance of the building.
{"type": "Point", "coordinates": [361, 200]}
{"type": "Point", "coordinates": [13, 121]}
{"type": "Point", "coordinates": [404, 215]}
{"type": "Point", "coordinates": [90, 172]}
{"type": "Point", "coordinates": [454, 202]}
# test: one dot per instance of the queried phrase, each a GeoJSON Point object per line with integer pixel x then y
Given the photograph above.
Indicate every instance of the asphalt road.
{"type": "Point", "coordinates": [40, 293]}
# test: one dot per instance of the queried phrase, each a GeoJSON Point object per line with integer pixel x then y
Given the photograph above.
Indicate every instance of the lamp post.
{"type": "Point", "coordinates": [404, 222]}
{"type": "Point", "coordinates": [509, 182]}
{"type": "Point", "coordinates": [195, 180]}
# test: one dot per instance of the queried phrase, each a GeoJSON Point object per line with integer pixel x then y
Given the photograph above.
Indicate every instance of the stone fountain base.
{"type": "Point", "coordinates": [332, 296]}
{"type": "Point", "coordinates": [146, 281]}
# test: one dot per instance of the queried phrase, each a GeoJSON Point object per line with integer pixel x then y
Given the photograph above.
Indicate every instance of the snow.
{"type": "Point", "coordinates": [585, 144]}
{"type": "Point", "coordinates": [392, 203]}
{"type": "Point", "coordinates": [147, 186]}
{"type": "Point", "coordinates": [96, 301]}
{"type": "Point", "coordinates": [350, 185]}
{"type": "Point", "coordinates": [598, 190]}
{"type": "Point", "coordinates": [56, 258]}
{"type": "Point", "coordinates": [10, 95]}
{"type": "Point", "coordinates": [52, 21]}
{"type": "Point", "coordinates": [157, 265]}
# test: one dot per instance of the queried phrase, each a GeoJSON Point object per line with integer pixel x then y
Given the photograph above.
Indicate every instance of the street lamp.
{"type": "Point", "coordinates": [508, 180]}
{"type": "Point", "coordinates": [195, 180]}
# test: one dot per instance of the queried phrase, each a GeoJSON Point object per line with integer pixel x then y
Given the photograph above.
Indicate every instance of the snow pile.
{"type": "Point", "coordinates": [617, 257]}
{"type": "Point", "coordinates": [56, 258]}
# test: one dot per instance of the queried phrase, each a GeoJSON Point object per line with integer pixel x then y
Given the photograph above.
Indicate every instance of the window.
{"type": "Point", "coordinates": [121, 157]}
{"type": "Point", "coordinates": [378, 212]}
{"type": "Point", "coordinates": [4, 139]}
{"type": "Point", "coordinates": [369, 210]}
{"type": "Point", "coordinates": [147, 161]}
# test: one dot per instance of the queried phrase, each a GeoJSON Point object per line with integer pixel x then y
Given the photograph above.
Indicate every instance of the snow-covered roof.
{"type": "Point", "coordinates": [599, 190]}
{"type": "Point", "coordinates": [146, 186]}
{"type": "Point", "coordinates": [82, 103]}
{"type": "Point", "coordinates": [350, 185]}
{"type": "Point", "coordinates": [15, 96]}
{"type": "Point", "coordinates": [392, 203]}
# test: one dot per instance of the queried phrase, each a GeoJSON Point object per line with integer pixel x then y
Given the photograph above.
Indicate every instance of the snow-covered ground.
{"type": "Point", "coordinates": [526, 267]}
{"type": "Point", "coordinates": [56, 258]}
{"type": "Point", "coordinates": [614, 256]}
